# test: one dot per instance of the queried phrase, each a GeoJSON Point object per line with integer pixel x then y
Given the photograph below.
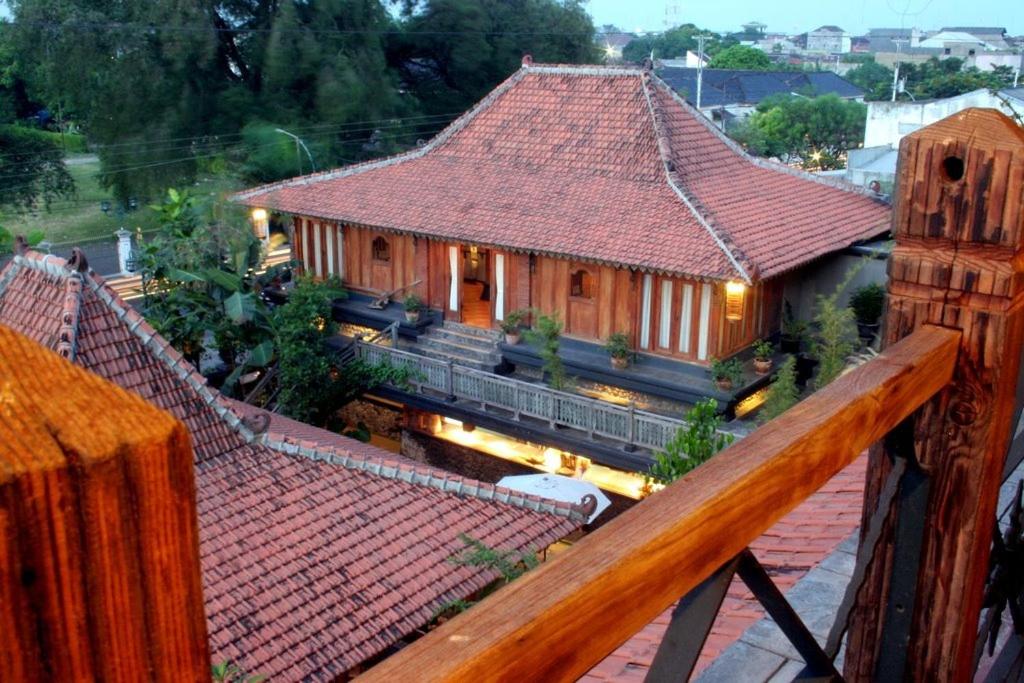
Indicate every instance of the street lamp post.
{"type": "Point", "coordinates": [298, 143]}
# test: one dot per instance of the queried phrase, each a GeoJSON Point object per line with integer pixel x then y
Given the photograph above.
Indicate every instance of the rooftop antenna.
{"type": "Point", "coordinates": [896, 70]}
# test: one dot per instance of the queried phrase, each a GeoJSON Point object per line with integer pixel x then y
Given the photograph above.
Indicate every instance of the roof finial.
{"type": "Point", "coordinates": [527, 60]}
{"type": "Point", "coordinates": [78, 262]}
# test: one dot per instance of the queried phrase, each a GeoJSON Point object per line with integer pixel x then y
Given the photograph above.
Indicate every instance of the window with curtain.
{"type": "Point", "coordinates": [581, 285]}
{"type": "Point", "coordinates": [381, 250]}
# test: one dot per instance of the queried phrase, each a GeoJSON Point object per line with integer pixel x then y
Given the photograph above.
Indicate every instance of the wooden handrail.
{"type": "Point", "coordinates": [560, 619]}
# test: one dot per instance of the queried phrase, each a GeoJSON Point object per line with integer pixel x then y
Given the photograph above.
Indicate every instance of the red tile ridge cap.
{"type": "Point", "coordinates": [835, 183]}
{"type": "Point", "coordinates": [451, 129]}
{"type": "Point", "coordinates": [742, 265]}
{"type": "Point", "coordinates": [422, 476]}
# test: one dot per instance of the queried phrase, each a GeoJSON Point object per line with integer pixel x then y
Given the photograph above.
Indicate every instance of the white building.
{"type": "Point", "coordinates": [888, 122]}
{"type": "Point", "coordinates": [830, 40]}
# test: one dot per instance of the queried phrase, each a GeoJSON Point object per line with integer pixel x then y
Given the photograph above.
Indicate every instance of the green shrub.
{"type": "Point", "coordinates": [547, 334]}
{"type": "Point", "coordinates": [783, 392]}
{"type": "Point", "coordinates": [867, 302]}
{"type": "Point", "coordinates": [617, 345]}
{"type": "Point", "coordinates": [513, 320]}
{"type": "Point", "coordinates": [763, 349]}
{"type": "Point", "coordinates": [727, 370]}
{"type": "Point", "coordinates": [692, 444]}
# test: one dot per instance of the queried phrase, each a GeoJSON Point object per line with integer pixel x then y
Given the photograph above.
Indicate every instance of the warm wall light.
{"type": "Point", "coordinates": [260, 224]}
{"type": "Point", "coordinates": [734, 292]}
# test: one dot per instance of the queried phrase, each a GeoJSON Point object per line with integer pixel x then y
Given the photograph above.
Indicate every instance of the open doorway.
{"type": "Point", "coordinates": [476, 287]}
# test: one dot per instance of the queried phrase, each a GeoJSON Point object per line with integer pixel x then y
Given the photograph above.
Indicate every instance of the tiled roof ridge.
{"type": "Point", "coordinates": [442, 137]}
{"type": "Point", "coordinates": [67, 338]}
{"type": "Point", "coordinates": [179, 365]}
{"type": "Point", "coordinates": [834, 183]}
{"type": "Point", "coordinates": [720, 237]}
{"type": "Point", "coordinates": [448, 483]}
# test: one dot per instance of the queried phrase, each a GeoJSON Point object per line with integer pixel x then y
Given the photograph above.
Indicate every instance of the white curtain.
{"type": "Point", "coordinates": [686, 319]}
{"type": "Point", "coordinates": [645, 314]}
{"type": "Point", "coordinates": [453, 263]}
{"type": "Point", "coordinates": [665, 319]}
{"type": "Point", "coordinates": [317, 253]}
{"type": "Point", "coordinates": [705, 321]}
{"type": "Point", "coordinates": [499, 286]}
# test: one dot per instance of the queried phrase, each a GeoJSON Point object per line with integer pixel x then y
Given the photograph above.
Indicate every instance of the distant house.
{"type": "Point", "coordinates": [992, 35]}
{"type": "Point", "coordinates": [888, 123]}
{"type": "Point", "coordinates": [830, 40]}
{"type": "Point", "coordinates": [736, 92]}
{"type": "Point", "coordinates": [593, 192]}
{"type": "Point", "coordinates": [318, 553]}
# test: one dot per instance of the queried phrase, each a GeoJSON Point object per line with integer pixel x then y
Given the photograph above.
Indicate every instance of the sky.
{"type": "Point", "coordinates": [799, 16]}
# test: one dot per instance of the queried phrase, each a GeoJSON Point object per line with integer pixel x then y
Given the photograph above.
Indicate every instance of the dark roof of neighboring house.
{"type": "Point", "coordinates": [977, 30]}
{"type": "Point", "coordinates": [725, 87]}
{"type": "Point", "coordinates": [594, 163]}
{"type": "Point", "coordinates": [315, 558]}
{"type": "Point", "coordinates": [828, 29]}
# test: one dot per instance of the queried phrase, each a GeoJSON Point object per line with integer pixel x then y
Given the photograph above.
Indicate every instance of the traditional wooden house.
{"type": "Point", "coordinates": [594, 192]}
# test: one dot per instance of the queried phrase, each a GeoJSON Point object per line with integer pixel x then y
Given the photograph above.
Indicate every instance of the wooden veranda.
{"type": "Point", "coordinates": [937, 409]}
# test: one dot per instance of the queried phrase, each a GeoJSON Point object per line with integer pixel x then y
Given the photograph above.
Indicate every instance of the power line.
{"type": "Point", "coordinates": [185, 28]}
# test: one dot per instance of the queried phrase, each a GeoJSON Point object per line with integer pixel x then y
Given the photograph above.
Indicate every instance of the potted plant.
{"type": "Point", "coordinates": [617, 347]}
{"type": "Point", "coordinates": [763, 356]}
{"type": "Point", "coordinates": [512, 326]}
{"type": "Point", "coordinates": [793, 331]}
{"type": "Point", "coordinates": [867, 302]}
{"type": "Point", "coordinates": [413, 305]}
{"type": "Point", "coordinates": [726, 373]}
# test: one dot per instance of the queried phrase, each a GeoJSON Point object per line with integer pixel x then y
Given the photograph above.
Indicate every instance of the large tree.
{"type": "Point", "coordinates": [674, 43]}
{"type": "Point", "coordinates": [741, 57]}
{"type": "Point", "coordinates": [813, 132]}
{"type": "Point", "coordinates": [450, 53]}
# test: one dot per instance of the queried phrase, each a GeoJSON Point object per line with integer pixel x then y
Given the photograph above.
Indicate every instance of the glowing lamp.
{"type": "Point", "coordinates": [260, 224]}
{"type": "Point", "coordinates": [734, 293]}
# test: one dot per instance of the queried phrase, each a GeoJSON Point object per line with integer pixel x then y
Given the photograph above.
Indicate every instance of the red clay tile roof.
{"type": "Point", "coordinates": [604, 164]}
{"type": "Point", "coordinates": [791, 548]}
{"type": "Point", "coordinates": [314, 558]}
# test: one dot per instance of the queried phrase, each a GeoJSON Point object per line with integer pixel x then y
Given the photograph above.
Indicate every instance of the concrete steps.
{"type": "Point", "coordinates": [461, 344]}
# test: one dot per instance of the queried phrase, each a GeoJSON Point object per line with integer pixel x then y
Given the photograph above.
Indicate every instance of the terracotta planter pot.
{"type": "Point", "coordinates": [412, 316]}
{"type": "Point", "coordinates": [762, 367]}
{"type": "Point", "coordinates": [512, 338]}
{"type": "Point", "coordinates": [724, 384]}
{"type": "Point", "coordinates": [620, 362]}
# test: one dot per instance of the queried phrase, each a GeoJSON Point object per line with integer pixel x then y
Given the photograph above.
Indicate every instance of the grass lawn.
{"type": "Point", "coordinates": [79, 218]}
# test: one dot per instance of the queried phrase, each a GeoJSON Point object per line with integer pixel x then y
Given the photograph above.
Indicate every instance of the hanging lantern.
{"type": "Point", "coordinates": [260, 224]}
{"type": "Point", "coordinates": [734, 293]}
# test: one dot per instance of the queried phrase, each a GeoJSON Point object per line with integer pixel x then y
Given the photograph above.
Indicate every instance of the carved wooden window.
{"type": "Point", "coordinates": [381, 250]}
{"type": "Point", "coordinates": [581, 285]}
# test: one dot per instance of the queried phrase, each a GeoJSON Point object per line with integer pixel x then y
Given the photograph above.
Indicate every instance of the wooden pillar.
{"type": "Point", "coordinates": [99, 550]}
{"type": "Point", "coordinates": [957, 263]}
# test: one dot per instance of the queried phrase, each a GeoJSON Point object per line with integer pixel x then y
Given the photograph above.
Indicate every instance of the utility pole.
{"type": "Point", "coordinates": [701, 39]}
{"type": "Point", "coordinates": [896, 70]}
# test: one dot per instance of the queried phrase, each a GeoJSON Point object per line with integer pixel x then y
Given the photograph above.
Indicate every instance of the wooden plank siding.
{"type": "Point", "coordinates": [544, 283]}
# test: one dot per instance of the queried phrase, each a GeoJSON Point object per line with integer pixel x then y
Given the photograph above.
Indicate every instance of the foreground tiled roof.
{"type": "Point", "coordinates": [791, 548]}
{"type": "Point", "coordinates": [587, 162]}
{"type": "Point", "coordinates": [314, 558]}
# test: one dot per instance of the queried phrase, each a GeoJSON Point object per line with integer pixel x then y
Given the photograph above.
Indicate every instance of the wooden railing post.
{"type": "Point", "coordinates": [99, 542]}
{"type": "Point", "coordinates": [958, 263]}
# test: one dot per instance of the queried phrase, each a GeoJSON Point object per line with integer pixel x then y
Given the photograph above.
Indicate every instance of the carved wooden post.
{"type": "Point", "coordinates": [958, 261]}
{"type": "Point", "coordinates": [99, 550]}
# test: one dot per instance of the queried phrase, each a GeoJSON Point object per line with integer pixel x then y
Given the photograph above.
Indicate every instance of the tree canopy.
{"type": "Point", "coordinates": [167, 90]}
{"type": "Point", "coordinates": [813, 132]}
{"type": "Point", "coordinates": [674, 43]}
{"type": "Point", "coordinates": [932, 79]}
{"type": "Point", "coordinates": [741, 57]}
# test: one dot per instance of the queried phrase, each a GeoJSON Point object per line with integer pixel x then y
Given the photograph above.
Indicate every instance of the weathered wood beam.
{"type": "Point", "coordinates": [958, 223]}
{"type": "Point", "coordinates": [559, 620]}
{"type": "Point", "coordinates": [99, 549]}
